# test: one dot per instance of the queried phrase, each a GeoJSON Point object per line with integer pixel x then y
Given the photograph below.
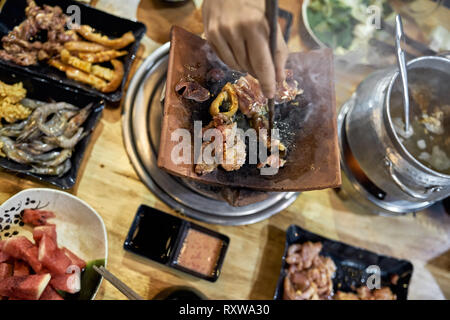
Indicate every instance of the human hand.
{"type": "Point", "coordinates": [239, 33]}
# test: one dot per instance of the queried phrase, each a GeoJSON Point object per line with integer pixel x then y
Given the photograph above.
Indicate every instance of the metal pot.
{"type": "Point", "coordinates": [377, 148]}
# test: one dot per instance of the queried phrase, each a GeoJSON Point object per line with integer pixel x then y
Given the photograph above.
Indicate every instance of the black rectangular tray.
{"type": "Point", "coordinates": [159, 236]}
{"type": "Point", "coordinates": [351, 264]}
{"type": "Point", "coordinates": [13, 13]}
{"type": "Point", "coordinates": [44, 90]}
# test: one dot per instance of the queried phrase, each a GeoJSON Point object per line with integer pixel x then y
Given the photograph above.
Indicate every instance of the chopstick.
{"type": "Point", "coordinates": [272, 18]}
{"type": "Point", "coordinates": [122, 287]}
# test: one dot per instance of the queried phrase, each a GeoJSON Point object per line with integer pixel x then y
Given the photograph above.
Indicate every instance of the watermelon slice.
{"type": "Point", "coordinates": [20, 268]}
{"type": "Point", "coordinates": [47, 246]}
{"type": "Point", "coordinates": [37, 217]}
{"type": "Point", "coordinates": [50, 294]}
{"type": "Point", "coordinates": [49, 230]}
{"type": "Point", "coordinates": [44, 271]}
{"type": "Point", "coordinates": [20, 247]}
{"type": "Point", "coordinates": [70, 283]}
{"type": "Point", "coordinates": [25, 287]}
{"type": "Point", "coordinates": [52, 257]}
{"type": "Point", "coordinates": [75, 260]}
{"type": "Point", "coordinates": [4, 257]}
{"type": "Point", "coordinates": [5, 270]}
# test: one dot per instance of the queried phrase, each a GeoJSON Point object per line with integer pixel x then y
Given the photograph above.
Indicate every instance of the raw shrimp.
{"type": "Point", "coordinates": [77, 121]}
{"type": "Point", "coordinates": [65, 142]}
{"type": "Point", "coordinates": [13, 130]}
{"type": "Point", "coordinates": [53, 171]}
{"type": "Point", "coordinates": [36, 147]}
{"type": "Point", "coordinates": [39, 116]}
{"type": "Point", "coordinates": [13, 153]}
{"type": "Point", "coordinates": [56, 161]}
{"type": "Point", "coordinates": [32, 104]}
{"type": "Point", "coordinates": [38, 158]}
{"type": "Point", "coordinates": [57, 125]}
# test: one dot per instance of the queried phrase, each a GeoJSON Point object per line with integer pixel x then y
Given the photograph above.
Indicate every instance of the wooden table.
{"type": "Point", "coordinates": [108, 182]}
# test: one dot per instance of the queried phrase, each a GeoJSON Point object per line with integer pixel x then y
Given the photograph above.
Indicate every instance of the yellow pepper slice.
{"type": "Point", "coordinates": [227, 94]}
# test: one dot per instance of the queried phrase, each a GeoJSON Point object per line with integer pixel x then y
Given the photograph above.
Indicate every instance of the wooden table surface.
{"type": "Point", "coordinates": [108, 182]}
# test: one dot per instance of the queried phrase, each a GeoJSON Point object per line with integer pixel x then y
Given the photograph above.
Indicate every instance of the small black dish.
{"type": "Point", "coordinates": [159, 236]}
{"type": "Point", "coordinates": [180, 293]}
{"type": "Point", "coordinates": [351, 264]}
{"type": "Point", "coordinates": [43, 90]}
{"type": "Point", "coordinates": [13, 13]}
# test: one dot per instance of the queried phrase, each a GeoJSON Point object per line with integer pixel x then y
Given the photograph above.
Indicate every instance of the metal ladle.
{"type": "Point", "coordinates": [399, 36]}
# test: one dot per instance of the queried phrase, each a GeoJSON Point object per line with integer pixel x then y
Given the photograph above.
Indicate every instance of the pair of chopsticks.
{"type": "Point", "coordinates": [122, 287]}
{"type": "Point", "coordinates": [272, 18]}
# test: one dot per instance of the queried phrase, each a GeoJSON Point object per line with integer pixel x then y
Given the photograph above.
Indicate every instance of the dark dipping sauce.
{"type": "Point", "coordinates": [177, 243]}
{"type": "Point", "coordinates": [154, 238]}
{"type": "Point", "coordinates": [200, 252]}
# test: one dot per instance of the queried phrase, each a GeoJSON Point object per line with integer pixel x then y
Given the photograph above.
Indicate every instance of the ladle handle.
{"type": "Point", "coordinates": [399, 36]}
{"type": "Point", "coordinates": [417, 195]}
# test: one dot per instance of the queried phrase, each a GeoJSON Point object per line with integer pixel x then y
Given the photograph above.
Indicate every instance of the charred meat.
{"type": "Point", "coordinates": [364, 293]}
{"type": "Point", "coordinates": [309, 276]}
{"type": "Point", "coordinates": [192, 90]}
{"type": "Point", "coordinates": [242, 97]}
{"type": "Point", "coordinates": [20, 45]}
{"type": "Point", "coordinates": [229, 151]}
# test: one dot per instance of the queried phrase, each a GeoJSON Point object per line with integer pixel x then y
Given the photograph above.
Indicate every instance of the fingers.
{"type": "Point", "coordinates": [281, 56]}
{"type": "Point", "coordinates": [221, 47]}
{"type": "Point", "coordinates": [261, 61]}
{"type": "Point", "coordinates": [237, 43]}
{"type": "Point", "coordinates": [240, 37]}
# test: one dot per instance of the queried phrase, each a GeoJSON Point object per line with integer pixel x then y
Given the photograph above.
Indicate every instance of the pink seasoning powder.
{"type": "Point", "coordinates": [200, 252]}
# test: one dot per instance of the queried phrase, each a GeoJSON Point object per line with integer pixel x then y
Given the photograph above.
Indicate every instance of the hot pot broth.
{"type": "Point", "coordinates": [428, 139]}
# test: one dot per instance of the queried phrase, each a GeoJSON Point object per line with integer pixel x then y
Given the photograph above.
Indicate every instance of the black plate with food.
{"type": "Point", "coordinates": [94, 55]}
{"type": "Point", "coordinates": [345, 266]}
{"type": "Point", "coordinates": [45, 127]}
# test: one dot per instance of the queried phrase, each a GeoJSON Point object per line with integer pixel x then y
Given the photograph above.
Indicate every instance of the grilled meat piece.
{"type": "Point", "coordinates": [309, 274]}
{"type": "Point", "coordinates": [364, 293]}
{"type": "Point", "coordinates": [232, 151]}
{"type": "Point", "coordinates": [192, 90]}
